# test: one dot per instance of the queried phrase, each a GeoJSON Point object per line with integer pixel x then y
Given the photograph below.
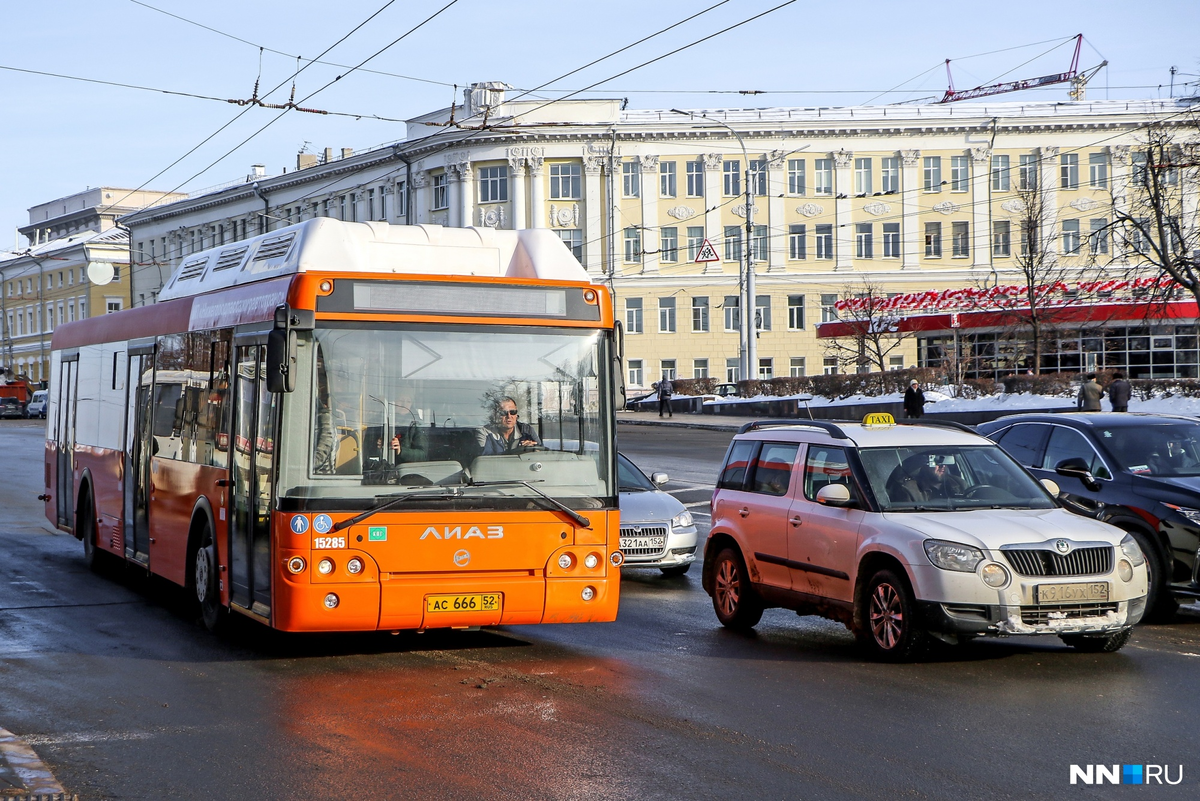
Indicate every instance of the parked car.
{"type": "Point", "coordinates": [726, 391]}
{"type": "Point", "coordinates": [656, 529]}
{"type": "Point", "coordinates": [11, 407]}
{"type": "Point", "coordinates": [37, 405]}
{"type": "Point", "coordinates": [1139, 472]}
{"type": "Point", "coordinates": [906, 531]}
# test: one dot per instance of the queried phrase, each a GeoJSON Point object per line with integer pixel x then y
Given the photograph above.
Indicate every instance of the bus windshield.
{"type": "Point", "coordinates": [498, 413]}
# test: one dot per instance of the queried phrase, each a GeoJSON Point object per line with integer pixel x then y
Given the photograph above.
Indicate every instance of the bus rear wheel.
{"type": "Point", "coordinates": [208, 594]}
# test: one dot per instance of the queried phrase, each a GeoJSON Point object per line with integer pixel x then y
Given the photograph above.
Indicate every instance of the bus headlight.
{"type": "Point", "coordinates": [566, 561]}
{"type": "Point", "coordinates": [591, 560]}
{"type": "Point", "coordinates": [296, 564]}
{"type": "Point", "coordinates": [354, 566]}
{"type": "Point", "coordinates": [588, 593]}
{"type": "Point", "coordinates": [325, 567]}
{"type": "Point", "coordinates": [331, 601]}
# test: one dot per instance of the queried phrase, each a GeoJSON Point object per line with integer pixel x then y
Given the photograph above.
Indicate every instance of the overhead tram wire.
{"type": "Point", "coordinates": [280, 52]}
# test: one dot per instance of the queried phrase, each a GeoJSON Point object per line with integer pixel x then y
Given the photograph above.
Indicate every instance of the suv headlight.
{"type": "Point", "coordinates": [1191, 515]}
{"type": "Point", "coordinates": [953, 555]}
{"type": "Point", "coordinates": [682, 520]}
{"type": "Point", "coordinates": [1132, 551]}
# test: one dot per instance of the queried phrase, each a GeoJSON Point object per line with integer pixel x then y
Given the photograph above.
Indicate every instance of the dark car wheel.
{"type": "Point", "coordinates": [1160, 604]}
{"type": "Point", "coordinates": [1098, 645]}
{"type": "Point", "coordinates": [889, 629]}
{"type": "Point", "coordinates": [737, 606]}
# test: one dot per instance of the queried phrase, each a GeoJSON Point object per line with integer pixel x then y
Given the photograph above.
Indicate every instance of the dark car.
{"type": "Point", "coordinates": [11, 407]}
{"type": "Point", "coordinates": [1139, 472]}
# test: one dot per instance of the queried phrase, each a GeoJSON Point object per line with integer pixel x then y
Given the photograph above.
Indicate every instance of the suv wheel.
{"type": "Point", "coordinates": [889, 630]}
{"type": "Point", "coordinates": [1098, 645]}
{"type": "Point", "coordinates": [1160, 604]}
{"type": "Point", "coordinates": [734, 600]}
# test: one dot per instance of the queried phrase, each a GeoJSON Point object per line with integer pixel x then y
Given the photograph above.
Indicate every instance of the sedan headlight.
{"type": "Point", "coordinates": [1132, 551]}
{"type": "Point", "coordinates": [682, 520]}
{"type": "Point", "coordinates": [953, 556]}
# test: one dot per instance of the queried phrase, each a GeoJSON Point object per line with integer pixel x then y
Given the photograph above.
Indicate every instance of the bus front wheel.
{"type": "Point", "coordinates": [208, 593]}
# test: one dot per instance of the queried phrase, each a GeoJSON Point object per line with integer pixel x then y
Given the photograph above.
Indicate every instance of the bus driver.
{"type": "Point", "coordinates": [505, 433]}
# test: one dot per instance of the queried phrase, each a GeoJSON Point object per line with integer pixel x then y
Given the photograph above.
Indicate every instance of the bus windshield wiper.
{"type": "Point", "coordinates": [435, 493]}
{"type": "Point", "coordinates": [557, 504]}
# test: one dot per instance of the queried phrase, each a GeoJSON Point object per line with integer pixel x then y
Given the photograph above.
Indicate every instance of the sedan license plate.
{"type": "Point", "coordinates": [475, 602]}
{"type": "Point", "coordinates": [1072, 593]}
{"type": "Point", "coordinates": [632, 543]}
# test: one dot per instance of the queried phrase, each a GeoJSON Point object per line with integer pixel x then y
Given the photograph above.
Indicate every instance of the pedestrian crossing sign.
{"type": "Point", "coordinates": [707, 253]}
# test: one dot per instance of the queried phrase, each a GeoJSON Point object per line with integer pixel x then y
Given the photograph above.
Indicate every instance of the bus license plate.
{"type": "Point", "coordinates": [635, 543]}
{"type": "Point", "coordinates": [1072, 593]}
{"type": "Point", "coordinates": [476, 602]}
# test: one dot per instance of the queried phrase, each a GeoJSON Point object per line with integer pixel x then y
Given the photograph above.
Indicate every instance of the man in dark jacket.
{"type": "Point", "coordinates": [1090, 394]}
{"type": "Point", "coordinates": [665, 391]}
{"type": "Point", "coordinates": [914, 400]}
{"type": "Point", "coordinates": [506, 434]}
{"type": "Point", "coordinates": [1119, 392]}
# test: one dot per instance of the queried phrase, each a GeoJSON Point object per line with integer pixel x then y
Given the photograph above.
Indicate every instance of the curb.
{"type": "Point", "coordinates": [39, 783]}
{"type": "Point", "coordinates": [664, 424]}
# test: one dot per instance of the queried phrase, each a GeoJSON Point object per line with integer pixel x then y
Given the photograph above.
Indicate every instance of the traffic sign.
{"type": "Point", "coordinates": [707, 253]}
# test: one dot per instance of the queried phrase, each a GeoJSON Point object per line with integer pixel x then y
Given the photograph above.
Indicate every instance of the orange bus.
{"type": "Point", "coordinates": [315, 428]}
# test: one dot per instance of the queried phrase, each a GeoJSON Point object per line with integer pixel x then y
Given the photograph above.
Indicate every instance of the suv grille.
{"type": "Point", "coordinates": [645, 531]}
{"type": "Point", "coordinates": [1080, 562]}
{"type": "Point", "coordinates": [1041, 615]}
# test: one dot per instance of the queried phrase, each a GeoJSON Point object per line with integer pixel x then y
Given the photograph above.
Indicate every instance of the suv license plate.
{"type": "Point", "coordinates": [476, 602]}
{"type": "Point", "coordinates": [630, 543]}
{"type": "Point", "coordinates": [1072, 593]}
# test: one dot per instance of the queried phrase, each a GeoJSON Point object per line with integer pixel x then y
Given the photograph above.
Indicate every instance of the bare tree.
{"type": "Point", "coordinates": [873, 332]}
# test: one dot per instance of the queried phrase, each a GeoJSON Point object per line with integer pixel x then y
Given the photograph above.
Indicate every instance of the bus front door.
{"type": "Point", "coordinates": [252, 466]}
{"type": "Point", "coordinates": [64, 437]}
{"type": "Point", "coordinates": [139, 439]}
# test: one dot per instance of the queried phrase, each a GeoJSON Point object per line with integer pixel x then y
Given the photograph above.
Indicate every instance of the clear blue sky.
{"type": "Point", "coordinates": [61, 136]}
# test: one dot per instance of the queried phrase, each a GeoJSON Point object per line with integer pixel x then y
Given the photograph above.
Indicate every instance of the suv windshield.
{"type": "Point", "coordinates": [950, 478]}
{"type": "Point", "coordinates": [1155, 450]}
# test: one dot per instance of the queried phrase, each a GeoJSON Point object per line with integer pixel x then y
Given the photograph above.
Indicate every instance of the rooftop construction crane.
{"type": "Point", "coordinates": [1077, 79]}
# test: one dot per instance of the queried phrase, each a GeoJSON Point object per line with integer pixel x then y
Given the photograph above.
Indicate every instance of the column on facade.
{"type": "Point", "coordinates": [776, 220]}
{"type": "Point", "coordinates": [537, 192]}
{"type": "Point", "coordinates": [981, 204]}
{"type": "Point", "coordinates": [712, 205]}
{"type": "Point", "coordinates": [1048, 189]}
{"type": "Point", "coordinates": [651, 241]}
{"type": "Point", "coordinates": [843, 226]}
{"type": "Point", "coordinates": [420, 198]}
{"type": "Point", "coordinates": [1121, 159]}
{"type": "Point", "coordinates": [516, 171]}
{"type": "Point", "coordinates": [910, 195]}
{"type": "Point", "coordinates": [593, 206]}
{"type": "Point", "coordinates": [464, 178]}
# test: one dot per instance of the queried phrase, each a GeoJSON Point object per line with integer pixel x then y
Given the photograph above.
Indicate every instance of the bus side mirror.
{"type": "Point", "coordinates": [281, 360]}
{"type": "Point", "coordinates": [618, 383]}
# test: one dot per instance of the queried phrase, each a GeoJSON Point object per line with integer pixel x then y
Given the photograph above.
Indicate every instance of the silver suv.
{"type": "Point", "coordinates": [911, 531]}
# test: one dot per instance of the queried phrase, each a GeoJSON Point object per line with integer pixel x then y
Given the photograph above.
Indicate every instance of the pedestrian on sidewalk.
{"type": "Point", "coordinates": [1119, 392]}
{"type": "Point", "coordinates": [914, 400]}
{"type": "Point", "coordinates": [1090, 393]}
{"type": "Point", "coordinates": [665, 391]}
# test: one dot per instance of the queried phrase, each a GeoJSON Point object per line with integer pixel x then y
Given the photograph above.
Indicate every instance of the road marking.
{"type": "Point", "coordinates": [32, 772]}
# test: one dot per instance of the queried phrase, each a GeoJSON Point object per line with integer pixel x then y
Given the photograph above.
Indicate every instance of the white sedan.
{"type": "Point", "coordinates": [656, 529]}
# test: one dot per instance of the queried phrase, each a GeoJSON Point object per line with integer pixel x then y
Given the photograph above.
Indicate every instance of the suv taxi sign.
{"type": "Point", "coordinates": [707, 253]}
{"type": "Point", "coordinates": [879, 419]}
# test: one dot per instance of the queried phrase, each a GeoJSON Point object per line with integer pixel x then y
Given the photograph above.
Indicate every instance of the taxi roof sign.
{"type": "Point", "coordinates": [879, 419]}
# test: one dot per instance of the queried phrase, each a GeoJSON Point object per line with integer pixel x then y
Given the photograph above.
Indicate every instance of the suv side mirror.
{"type": "Point", "coordinates": [1075, 467]}
{"type": "Point", "coordinates": [658, 479]}
{"type": "Point", "coordinates": [834, 495]}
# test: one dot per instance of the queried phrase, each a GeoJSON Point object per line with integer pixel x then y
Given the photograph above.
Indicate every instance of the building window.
{"type": "Point", "coordinates": [695, 179]}
{"type": "Point", "coordinates": [830, 365]}
{"type": "Point", "coordinates": [762, 312]}
{"type": "Point", "coordinates": [695, 241]}
{"type": "Point", "coordinates": [666, 369]}
{"type": "Point", "coordinates": [733, 317]}
{"type": "Point", "coordinates": [631, 179]}
{"type": "Point", "coordinates": [1098, 170]}
{"type": "Point", "coordinates": [960, 240]}
{"type": "Point", "coordinates": [633, 315]}
{"type": "Point", "coordinates": [891, 240]}
{"type": "Point", "coordinates": [759, 244]}
{"type": "Point", "coordinates": [1068, 171]}
{"type": "Point", "coordinates": [766, 369]}
{"type": "Point", "coordinates": [960, 173]}
{"type": "Point", "coordinates": [824, 237]}
{"type": "Point", "coordinates": [401, 194]}
{"type": "Point", "coordinates": [758, 177]}
{"type": "Point", "coordinates": [797, 242]}
{"type": "Point", "coordinates": [666, 315]}
{"type": "Point", "coordinates": [1070, 236]}
{"type": "Point", "coordinates": [565, 181]}
{"type": "Point", "coordinates": [700, 315]}
{"type": "Point", "coordinates": [370, 206]}
{"type": "Point", "coordinates": [699, 368]}
{"type": "Point", "coordinates": [933, 174]}
{"type": "Point", "coordinates": [440, 196]}
{"type": "Point", "coordinates": [895, 362]}
{"type": "Point", "coordinates": [999, 173]}
{"type": "Point", "coordinates": [1029, 238]}
{"type": "Point", "coordinates": [1001, 238]}
{"type": "Point", "coordinates": [1027, 172]}
{"type": "Point", "coordinates": [1098, 237]}
{"type": "Point", "coordinates": [666, 179]}
{"type": "Point", "coordinates": [733, 243]}
{"type": "Point", "coordinates": [733, 371]}
{"type": "Point", "coordinates": [633, 245]}
{"type": "Point", "coordinates": [1138, 172]}
{"type": "Point", "coordinates": [862, 176]}
{"type": "Point", "coordinates": [573, 239]}
{"type": "Point", "coordinates": [732, 171]}
{"type": "Point", "coordinates": [796, 183]}
{"type": "Point", "coordinates": [933, 240]}
{"type": "Point", "coordinates": [795, 312]}
{"type": "Point", "coordinates": [112, 305]}
{"type": "Point", "coordinates": [823, 176]}
{"type": "Point", "coordinates": [796, 367]}
{"type": "Point", "coordinates": [493, 184]}
{"type": "Point", "coordinates": [635, 372]}
{"type": "Point", "coordinates": [889, 174]}
{"type": "Point", "coordinates": [668, 245]}
{"type": "Point", "coordinates": [829, 308]}
{"type": "Point", "coordinates": [864, 241]}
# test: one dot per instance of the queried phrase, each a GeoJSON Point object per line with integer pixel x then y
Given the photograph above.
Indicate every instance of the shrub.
{"type": "Point", "coordinates": [695, 386]}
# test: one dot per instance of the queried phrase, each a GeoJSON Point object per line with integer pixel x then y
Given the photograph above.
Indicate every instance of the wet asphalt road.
{"type": "Point", "coordinates": [124, 696]}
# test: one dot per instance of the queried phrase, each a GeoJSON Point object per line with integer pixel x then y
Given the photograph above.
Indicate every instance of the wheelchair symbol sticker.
{"type": "Point", "coordinates": [299, 524]}
{"type": "Point", "coordinates": [322, 524]}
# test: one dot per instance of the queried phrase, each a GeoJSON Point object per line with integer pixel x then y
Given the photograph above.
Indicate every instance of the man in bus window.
{"type": "Point", "coordinates": [506, 433]}
{"type": "Point", "coordinates": [410, 443]}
